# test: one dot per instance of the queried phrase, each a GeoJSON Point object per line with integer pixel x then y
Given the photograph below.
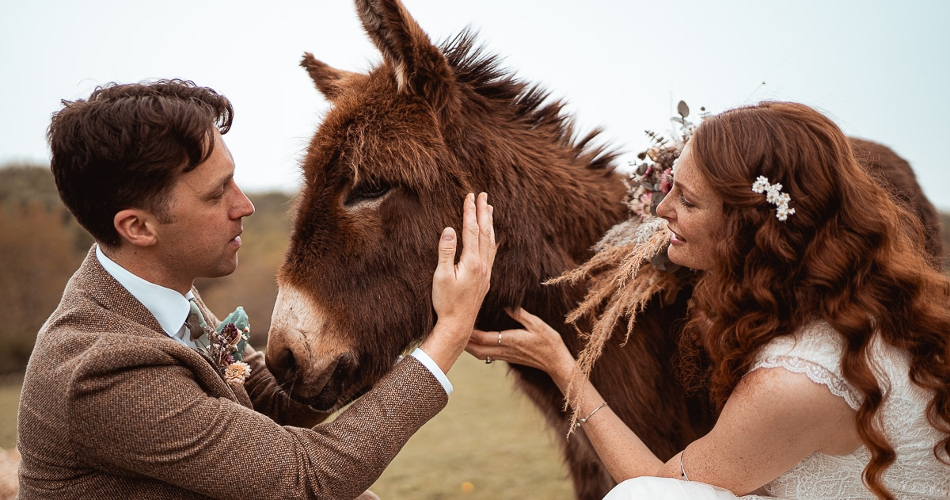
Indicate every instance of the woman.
{"type": "Point", "coordinates": [827, 332]}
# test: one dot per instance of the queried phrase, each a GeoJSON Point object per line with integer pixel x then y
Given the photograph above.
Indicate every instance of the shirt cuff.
{"type": "Point", "coordinates": [426, 361]}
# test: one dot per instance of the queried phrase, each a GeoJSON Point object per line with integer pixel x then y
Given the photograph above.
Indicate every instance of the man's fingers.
{"type": "Point", "coordinates": [486, 240]}
{"type": "Point", "coordinates": [447, 244]}
{"type": "Point", "coordinates": [469, 227]}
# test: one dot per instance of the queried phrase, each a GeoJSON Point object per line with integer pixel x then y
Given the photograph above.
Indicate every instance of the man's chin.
{"type": "Point", "coordinates": [221, 271]}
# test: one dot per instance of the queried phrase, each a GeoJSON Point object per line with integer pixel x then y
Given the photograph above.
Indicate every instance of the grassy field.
{"type": "Point", "coordinates": [489, 443]}
{"type": "Point", "coordinates": [9, 397]}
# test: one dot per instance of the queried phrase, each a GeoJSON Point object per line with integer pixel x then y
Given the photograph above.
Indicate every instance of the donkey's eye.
{"type": "Point", "coordinates": [367, 192]}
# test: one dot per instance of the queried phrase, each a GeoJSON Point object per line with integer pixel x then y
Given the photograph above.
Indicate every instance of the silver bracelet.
{"type": "Point", "coordinates": [591, 414]}
{"type": "Point", "coordinates": [682, 468]}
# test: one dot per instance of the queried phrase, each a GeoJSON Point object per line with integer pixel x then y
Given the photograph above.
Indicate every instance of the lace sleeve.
{"type": "Point", "coordinates": [816, 373]}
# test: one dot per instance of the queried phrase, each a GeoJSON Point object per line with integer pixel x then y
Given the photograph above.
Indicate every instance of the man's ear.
{"type": "Point", "coordinates": [136, 226]}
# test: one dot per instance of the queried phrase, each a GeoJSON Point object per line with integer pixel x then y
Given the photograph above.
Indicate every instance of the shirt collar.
{"type": "Point", "coordinates": [169, 307]}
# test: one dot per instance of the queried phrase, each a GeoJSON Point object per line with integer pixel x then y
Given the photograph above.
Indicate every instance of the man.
{"type": "Point", "coordinates": [118, 403]}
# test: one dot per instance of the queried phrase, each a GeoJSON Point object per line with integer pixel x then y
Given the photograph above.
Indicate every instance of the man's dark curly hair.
{"type": "Point", "coordinates": [125, 146]}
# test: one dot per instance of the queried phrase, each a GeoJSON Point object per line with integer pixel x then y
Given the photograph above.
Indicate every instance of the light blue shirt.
{"type": "Point", "coordinates": [171, 309]}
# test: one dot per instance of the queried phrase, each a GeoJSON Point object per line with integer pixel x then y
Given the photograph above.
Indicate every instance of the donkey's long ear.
{"type": "Point", "coordinates": [419, 66]}
{"type": "Point", "coordinates": [330, 81]}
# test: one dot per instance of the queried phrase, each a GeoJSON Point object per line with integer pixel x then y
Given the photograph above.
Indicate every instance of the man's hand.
{"type": "Point", "coordinates": [458, 289]}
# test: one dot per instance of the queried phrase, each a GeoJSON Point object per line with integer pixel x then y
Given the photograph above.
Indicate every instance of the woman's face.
{"type": "Point", "coordinates": [693, 212]}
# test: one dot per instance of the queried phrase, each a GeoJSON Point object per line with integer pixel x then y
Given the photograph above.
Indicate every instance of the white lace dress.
{"type": "Point", "coordinates": [816, 352]}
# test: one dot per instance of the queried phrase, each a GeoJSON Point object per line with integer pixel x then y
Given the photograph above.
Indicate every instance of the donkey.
{"type": "Point", "coordinates": [386, 171]}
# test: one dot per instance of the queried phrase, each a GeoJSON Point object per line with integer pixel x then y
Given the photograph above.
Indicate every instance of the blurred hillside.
{"type": "Point", "coordinates": [41, 245]}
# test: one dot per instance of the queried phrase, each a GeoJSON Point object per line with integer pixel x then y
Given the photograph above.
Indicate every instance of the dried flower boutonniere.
{"type": "Point", "coordinates": [224, 346]}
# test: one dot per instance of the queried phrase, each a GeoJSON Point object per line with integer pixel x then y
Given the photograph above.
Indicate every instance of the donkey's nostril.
{"type": "Point", "coordinates": [285, 364]}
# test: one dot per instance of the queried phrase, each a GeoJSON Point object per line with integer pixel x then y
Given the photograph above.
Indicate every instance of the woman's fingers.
{"type": "Point", "coordinates": [491, 338]}
{"type": "Point", "coordinates": [477, 350]}
{"type": "Point", "coordinates": [483, 343]}
{"type": "Point", "coordinates": [527, 320]}
{"type": "Point", "coordinates": [515, 348]}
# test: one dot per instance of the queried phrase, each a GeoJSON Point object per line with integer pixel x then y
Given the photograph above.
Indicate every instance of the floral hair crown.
{"type": "Point", "coordinates": [775, 196]}
{"type": "Point", "coordinates": [652, 177]}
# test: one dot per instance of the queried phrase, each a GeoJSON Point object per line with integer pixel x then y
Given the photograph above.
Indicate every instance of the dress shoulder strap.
{"type": "Point", "coordinates": [815, 351]}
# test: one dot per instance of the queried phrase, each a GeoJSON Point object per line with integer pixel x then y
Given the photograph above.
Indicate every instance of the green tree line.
{"type": "Point", "coordinates": [41, 245]}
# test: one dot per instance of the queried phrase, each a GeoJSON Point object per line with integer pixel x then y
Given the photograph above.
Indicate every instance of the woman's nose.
{"type": "Point", "coordinates": [663, 209]}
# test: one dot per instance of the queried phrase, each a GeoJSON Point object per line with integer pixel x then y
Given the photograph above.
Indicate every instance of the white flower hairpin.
{"type": "Point", "coordinates": [775, 196]}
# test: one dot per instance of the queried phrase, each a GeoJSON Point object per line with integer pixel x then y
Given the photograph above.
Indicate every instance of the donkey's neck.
{"type": "Point", "coordinates": [553, 201]}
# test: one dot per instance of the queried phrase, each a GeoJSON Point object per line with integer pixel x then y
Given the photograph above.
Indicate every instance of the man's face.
{"type": "Point", "coordinates": [202, 236]}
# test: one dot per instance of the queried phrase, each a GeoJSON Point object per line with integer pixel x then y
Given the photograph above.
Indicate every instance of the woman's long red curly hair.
{"type": "Point", "coordinates": [847, 255]}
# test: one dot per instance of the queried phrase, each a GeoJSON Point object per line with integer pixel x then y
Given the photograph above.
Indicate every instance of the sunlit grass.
{"type": "Point", "coordinates": [490, 442]}
{"type": "Point", "coordinates": [9, 399]}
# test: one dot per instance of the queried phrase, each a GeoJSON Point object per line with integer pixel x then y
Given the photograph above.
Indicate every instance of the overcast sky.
{"type": "Point", "coordinates": [880, 69]}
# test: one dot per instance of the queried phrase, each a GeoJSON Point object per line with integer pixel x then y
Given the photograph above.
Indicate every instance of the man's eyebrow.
{"type": "Point", "coordinates": [221, 182]}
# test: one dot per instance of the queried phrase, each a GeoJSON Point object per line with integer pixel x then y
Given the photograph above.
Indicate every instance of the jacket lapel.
{"type": "Point", "coordinates": [95, 282]}
{"type": "Point", "coordinates": [98, 285]}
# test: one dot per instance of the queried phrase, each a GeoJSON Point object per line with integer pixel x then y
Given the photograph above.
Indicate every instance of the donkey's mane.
{"type": "Point", "coordinates": [531, 104]}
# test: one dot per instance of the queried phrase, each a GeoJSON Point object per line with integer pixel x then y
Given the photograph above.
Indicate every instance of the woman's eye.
{"type": "Point", "coordinates": [367, 192]}
{"type": "Point", "coordinates": [686, 202]}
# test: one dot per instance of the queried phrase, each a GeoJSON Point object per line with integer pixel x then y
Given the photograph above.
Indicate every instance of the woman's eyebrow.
{"type": "Point", "coordinates": [686, 189]}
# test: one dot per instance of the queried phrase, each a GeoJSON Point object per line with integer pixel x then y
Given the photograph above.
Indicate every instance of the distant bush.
{"type": "Point", "coordinates": [41, 246]}
{"type": "Point", "coordinates": [945, 225]}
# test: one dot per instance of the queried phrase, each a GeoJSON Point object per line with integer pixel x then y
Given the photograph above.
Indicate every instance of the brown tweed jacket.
{"type": "Point", "coordinates": [113, 408]}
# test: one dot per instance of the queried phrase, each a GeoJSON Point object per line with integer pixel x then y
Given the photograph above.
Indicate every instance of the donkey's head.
{"type": "Point", "coordinates": [388, 169]}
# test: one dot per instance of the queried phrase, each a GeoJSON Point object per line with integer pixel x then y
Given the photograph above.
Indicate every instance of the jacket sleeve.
{"type": "Point", "coordinates": [268, 398]}
{"type": "Point", "coordinates": [145, 412]}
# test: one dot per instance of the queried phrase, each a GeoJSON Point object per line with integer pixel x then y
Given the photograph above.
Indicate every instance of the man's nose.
{"type": "Point", "coordinates": [244, 207]}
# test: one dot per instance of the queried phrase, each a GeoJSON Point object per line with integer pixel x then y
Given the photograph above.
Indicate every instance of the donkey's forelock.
{"type": "Point", "coordinates": [375, 134]}
{"type": "Point", "coordinates": [412, 155]}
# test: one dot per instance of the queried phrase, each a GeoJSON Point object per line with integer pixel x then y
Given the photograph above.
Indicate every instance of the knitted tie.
{"type": "Point", "coordinates": [195, 321]}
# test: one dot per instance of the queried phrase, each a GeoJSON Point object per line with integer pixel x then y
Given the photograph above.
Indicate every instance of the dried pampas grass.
{"type": "Point", "coordinates": [623, 276]}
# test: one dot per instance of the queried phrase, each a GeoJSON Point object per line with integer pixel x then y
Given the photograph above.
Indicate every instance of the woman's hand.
{"type": "Point", "coordinates": [458, 289]}
{"type": "Point", "coordinates": [538, 346]}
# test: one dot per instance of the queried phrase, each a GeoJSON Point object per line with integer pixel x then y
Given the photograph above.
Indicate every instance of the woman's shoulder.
{"type": "Point", "coordinates": [813, 350]}
{"type": "Point", "coordinates": [816, 341]}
